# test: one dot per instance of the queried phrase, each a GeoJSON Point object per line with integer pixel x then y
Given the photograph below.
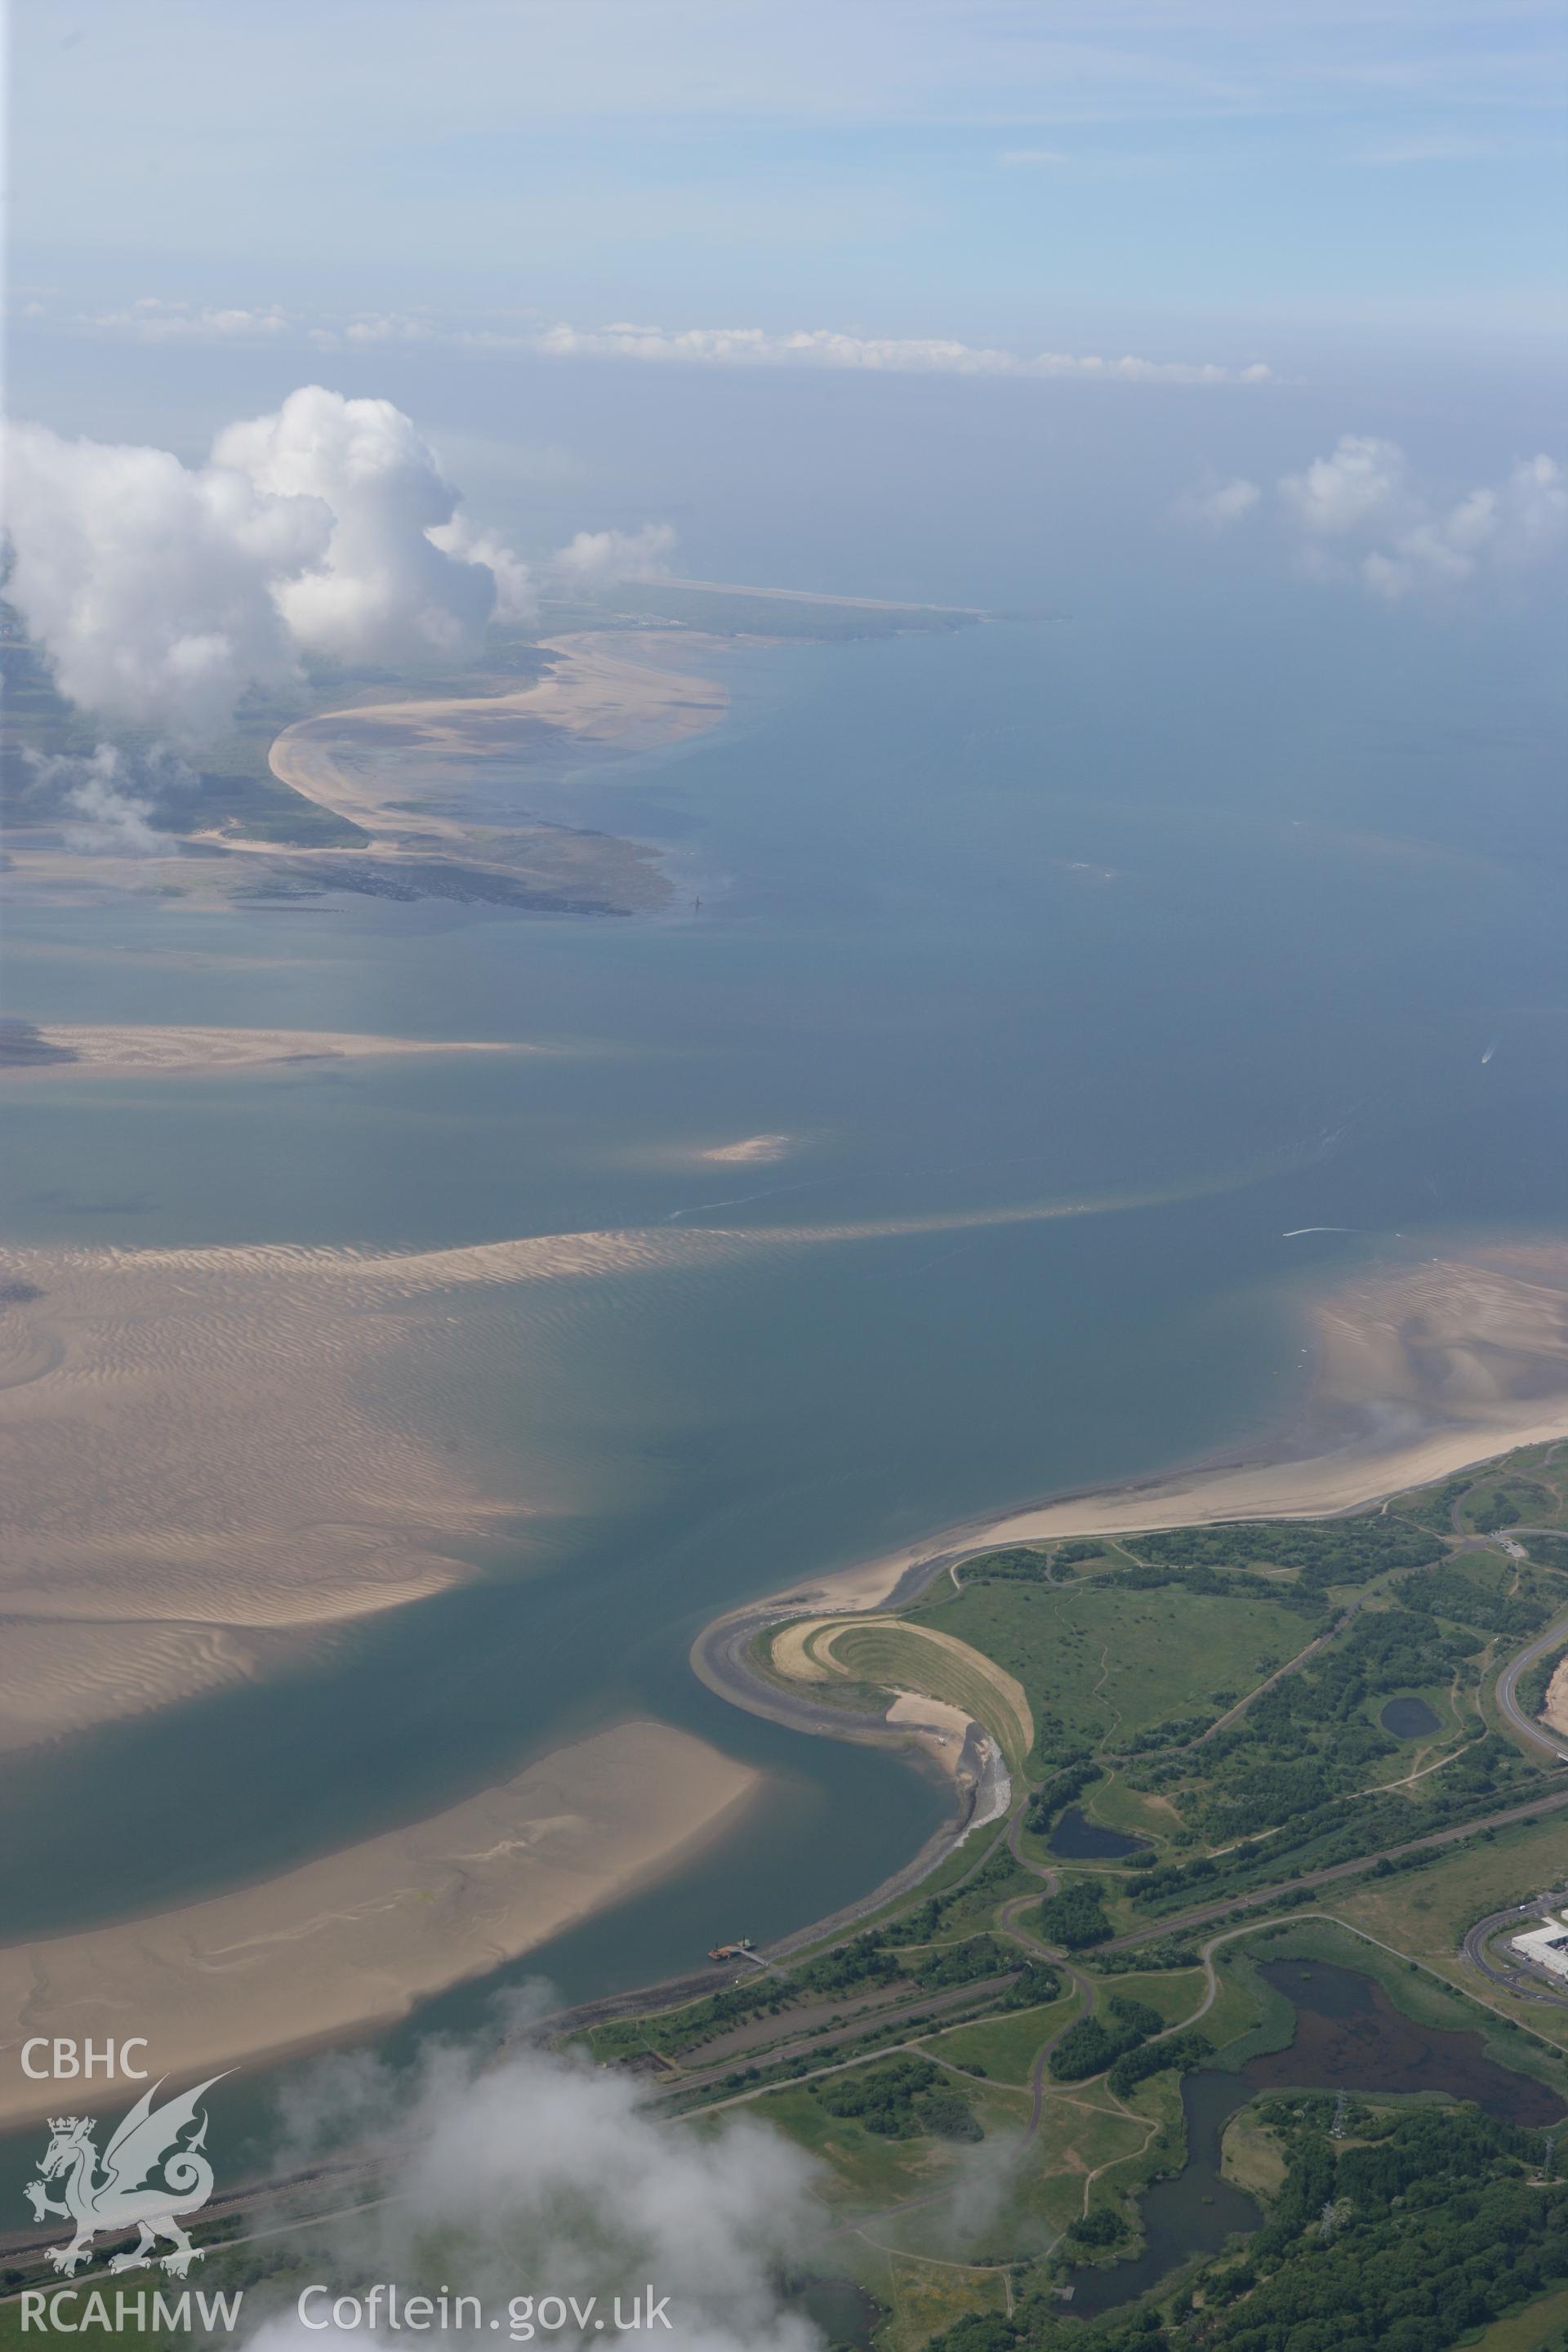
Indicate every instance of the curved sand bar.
{"type": "Point", "coordinates": [598, 692]}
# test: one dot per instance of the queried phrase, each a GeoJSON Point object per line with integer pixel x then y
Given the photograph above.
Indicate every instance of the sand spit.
{"type": "Point", "coordinates": [86, 1050]}
{"type": "Point", "coordinates": [357, 762]}
{"type": "Point", "coordinates": [361, 1934]}
{"type": "Point", "coordinates": [1422, 1371]}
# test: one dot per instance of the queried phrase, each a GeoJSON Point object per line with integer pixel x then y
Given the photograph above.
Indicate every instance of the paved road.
{"type": "Point", "coordinates": [1520, 1983]}
{"type": "Point", "coordinates": [1522, 1725]}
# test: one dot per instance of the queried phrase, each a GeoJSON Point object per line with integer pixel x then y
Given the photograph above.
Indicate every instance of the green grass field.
{"type": "Point", "coordinates": [866, 2174]}
{"type": "Point", "coordinates": [1540, 2326]}
{"type": "Point", "coordinates": [926, 2293]}
{"type": "Point", "coordinates": [1175, 1995]}
{"type": "Point", "coordinates": [1104, 1661]}
{"type": "Point", "coordinates": [1005, 2047]}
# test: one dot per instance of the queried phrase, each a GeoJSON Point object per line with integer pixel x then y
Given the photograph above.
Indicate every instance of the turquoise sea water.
{"type": "Point", "coordinates": [987, 921]}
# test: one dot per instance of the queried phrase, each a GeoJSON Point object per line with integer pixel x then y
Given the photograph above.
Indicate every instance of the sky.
{"type": "Point", "coordinates": [988, 170]}
{"type": "Point", "coordinates": [1013, 303]}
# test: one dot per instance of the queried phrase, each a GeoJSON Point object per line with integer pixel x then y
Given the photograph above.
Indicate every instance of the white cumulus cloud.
{"type": "Point", "coordinates": [1360, 515]}
{"type": "Point", "coordinates": [595, 558]}
{"type": "Point", "coordinates": [1217, 505]}
{"type": "Point", "coordinates": [160, 592]}
{"type": "Point", "coordinates": [1362, 480]}
{"type": "Point", "coordinates": [381, 588]}
{"type": "Point", "coordinates": [148, 583]}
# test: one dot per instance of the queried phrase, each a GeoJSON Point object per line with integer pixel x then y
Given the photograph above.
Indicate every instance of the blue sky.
{"type": "Point", "coordinates": [976, 301]}
{"type": "Point", "coordinates": [1016, 170]}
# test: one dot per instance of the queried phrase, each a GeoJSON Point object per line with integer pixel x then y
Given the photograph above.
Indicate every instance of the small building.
{"type": "Point", "coordinates": [1546, 1945]}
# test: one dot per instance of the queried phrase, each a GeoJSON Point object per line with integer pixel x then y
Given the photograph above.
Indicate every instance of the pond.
{"type": "Point", "coordinates": [1077, 1839]}
{"type": "Point", "coordinates": [1349, 2036]}
{"type": "Point", "coordinates": [1409, 1719]}
{"type": "Point", "coordinates": [1193, 2214]}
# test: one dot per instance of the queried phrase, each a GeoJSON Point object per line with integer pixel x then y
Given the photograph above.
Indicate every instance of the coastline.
{"type": "Point", "coordinates": [1421, 1373]}
{"type": "Point", "coordinates": [358, 761]}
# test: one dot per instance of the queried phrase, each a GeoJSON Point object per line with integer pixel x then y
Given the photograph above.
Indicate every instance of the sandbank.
{"type": "Point", "coordinates": [240, 1439]}
{"type": "Point", "coordinates": [87, 1049]}
{"type": "Point", "coordinates": [753, 1150]}
{"type": "Point", "coordinates": [241, 1443]}
{"type": "Point", "coordinates": [360, 1936]}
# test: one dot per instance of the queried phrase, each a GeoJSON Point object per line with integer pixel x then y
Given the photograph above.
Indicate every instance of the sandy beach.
{"type": "Point", "coordinates": [1421, 1371]}
{"type": "Point", "coordinates": [359, 763]}
{"type": "Point", "coordinates": [85, 1049]}
{"type": "Point", "coordinates": [360, 1936]}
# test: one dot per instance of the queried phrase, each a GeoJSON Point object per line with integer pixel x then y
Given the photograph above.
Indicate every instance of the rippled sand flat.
{"type": "Point", "coordinates": [360, 1934]}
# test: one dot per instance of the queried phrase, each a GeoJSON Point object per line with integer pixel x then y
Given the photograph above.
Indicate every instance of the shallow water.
{"type": "Point", "coordinates": [976, 931]}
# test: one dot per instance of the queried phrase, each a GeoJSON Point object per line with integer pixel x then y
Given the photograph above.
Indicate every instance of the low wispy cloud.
{"type": "Point", "coordinates": [108, 800]}
{"type": "Point", "coordinates": [826, 347]}
{"type": "Point", "coordinates": [1216, 506]}
{"type": "Point", "coordinates": [736, 347]}
{"type": "Point", "coordinates": [1359, 515]}
{"type": "Point", "coordinates": [544, 2175]}
{"type": "Point", "coordinates": [153, 321]}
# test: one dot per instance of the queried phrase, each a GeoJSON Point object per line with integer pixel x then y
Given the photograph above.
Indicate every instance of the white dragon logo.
{"type": "Point", "coordinates": [145, 2180]}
